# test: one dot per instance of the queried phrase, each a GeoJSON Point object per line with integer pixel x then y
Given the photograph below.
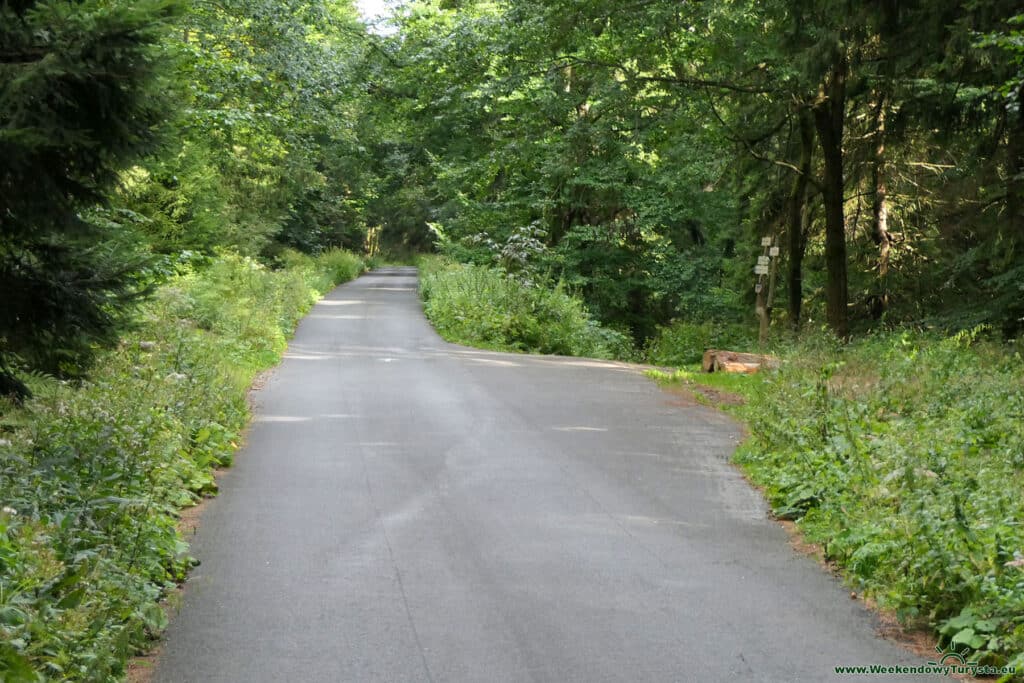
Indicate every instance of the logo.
{"type": "Point", "coordinates": [950, 657]}
{"type": "Point", "coordinates": [951, 662]}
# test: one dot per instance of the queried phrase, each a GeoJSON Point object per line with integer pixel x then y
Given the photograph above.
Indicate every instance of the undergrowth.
{"type": "Point", "coordinates": [484, 306]}
{"type": "Point", "coordinates": [683, 342]}
{"type": "Point", "coordinates": [92, 474]}
{"type": "Point", "coordinates": [902, 455]}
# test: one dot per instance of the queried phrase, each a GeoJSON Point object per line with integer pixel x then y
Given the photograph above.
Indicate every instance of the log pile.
{"type": "Point", "coordinates": [734, 361]}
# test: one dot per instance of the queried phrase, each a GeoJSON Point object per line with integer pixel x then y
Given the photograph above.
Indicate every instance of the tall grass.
{"type": "Point", "coordinates": [683, 342]}
{"type": "Point", "coordinates": [482, 306]}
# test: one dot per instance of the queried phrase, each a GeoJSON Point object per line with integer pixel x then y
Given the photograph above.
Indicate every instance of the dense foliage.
{"type": "Point", "coordinates": [601, 177]}
{"type": "Point", "coordinates": [93, 475]}
{"type": "Point", "coordinates": [486, 307]}
{"type": "Point", "coordinates": [649, 147]}
{"type": "Point", "coordinates": [77, 103]}
{"type": "Point", "coordinates": [901, 455]}
{"type": "Point", "coordinates": [637, 155]}
{"type": "Point", "coordinates": [131, 131]}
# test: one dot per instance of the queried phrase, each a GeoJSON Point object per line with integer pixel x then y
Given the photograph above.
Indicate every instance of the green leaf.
{"type": "Point", "coordinates": [985, 626]}
{"type": "Point", "coordinates": [72, 599]}
{"type": "Point", "coordinates": [968, 637]}
{"type": "Point", "coordinates": [17, 668]}
{"type": "Point", "coordinates": [965, 619]}
{"type": "Point", "coordinates": [12, 616]}
{"type": "Point", "coordinates": [154, 617]}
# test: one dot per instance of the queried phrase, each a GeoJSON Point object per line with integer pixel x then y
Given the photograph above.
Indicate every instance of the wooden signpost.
{"type": "Point", "coordinates": [717, 360]}
{"type": "Point", "coordinates": [767, 265]}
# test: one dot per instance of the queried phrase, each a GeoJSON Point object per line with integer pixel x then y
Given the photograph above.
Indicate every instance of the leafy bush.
{"type": "Point", "coordinates": [91, 475]}
{"type": "Point", "coordinates": [903, 456]}
{"type": "Point", "coordinates": [327, 268]}
{"type": "Point", "coordinates": [483, 306]}
{"type": "Point", "coordinates": [683, 343]}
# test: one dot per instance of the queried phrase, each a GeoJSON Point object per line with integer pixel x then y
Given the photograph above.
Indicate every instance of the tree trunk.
{"type": "Point", "coordinates": [829, 115]}
{"type": "Point", "coordinates": [1014, 321]}
{"type": "Point", "coordinates": [1015, 171]}
{"type": "Point", "coordinates": [796, 220]}
{"type": "Point", "coordinates": [880, 211]}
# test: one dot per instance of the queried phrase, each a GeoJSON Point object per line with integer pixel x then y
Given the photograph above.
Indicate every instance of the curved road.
{"type": "Point", "coordinates": [411, 510]}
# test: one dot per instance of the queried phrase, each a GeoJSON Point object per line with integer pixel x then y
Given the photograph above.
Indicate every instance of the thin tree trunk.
{"type": "Point", "coordinates": [880, 211]}
{"type": "Point", "coordinates": [1015, 172]}
{"type": "Point", "coordinates": [797, 237]}
{"type": "Point", "coordinates": [829, 115]}
{"type": "Point", "coordinates": [1014, 321]}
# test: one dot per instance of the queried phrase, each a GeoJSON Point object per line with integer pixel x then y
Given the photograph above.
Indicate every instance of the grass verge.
{"type": "Point", "coordinates": [902, 457]}
{"type": "Point", "coordinates": [485, 307]}
{"type": "Point", "coordinates": [92, 475]}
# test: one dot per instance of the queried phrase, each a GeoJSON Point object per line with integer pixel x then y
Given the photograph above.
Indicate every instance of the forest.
{"type": "Point", "coordinates": [634, 179]}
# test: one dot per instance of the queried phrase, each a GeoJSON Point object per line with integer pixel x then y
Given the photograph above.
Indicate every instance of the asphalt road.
{"type": "Point", "coordinates": [410, 510]}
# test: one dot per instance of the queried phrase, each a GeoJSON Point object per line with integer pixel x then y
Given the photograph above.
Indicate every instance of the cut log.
{"type": "Point", "coordinates": [728, 366]}
{"type": "Point", "coordinates": [734, 361]}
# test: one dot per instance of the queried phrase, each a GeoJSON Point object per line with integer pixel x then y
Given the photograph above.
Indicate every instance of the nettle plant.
{"type": "Point", "coordinates": [520, 254]}
{"type": "Point", "coordinates": [523, 249]}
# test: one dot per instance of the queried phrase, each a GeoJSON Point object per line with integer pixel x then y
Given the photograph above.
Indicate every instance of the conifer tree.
{"type": "Point", "coordinates": [77, 104]}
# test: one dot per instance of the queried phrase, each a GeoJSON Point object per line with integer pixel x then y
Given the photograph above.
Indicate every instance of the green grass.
{"type": "Point", "coordinates": [484, 307]}
{"type": "Point", "coordinates": [903, 456]}
{"type": "Point", "coordinates": [92, 475]}
{"type": "Point", "coordinates": [683, 343]}
{"type": "Point", "coordinates": [735, 383]}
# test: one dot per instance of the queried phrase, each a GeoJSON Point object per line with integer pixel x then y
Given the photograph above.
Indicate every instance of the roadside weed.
{"type": "Point", "coordinates": [92, 474]}
{"type": "Point", "coordinates": [902, 455]}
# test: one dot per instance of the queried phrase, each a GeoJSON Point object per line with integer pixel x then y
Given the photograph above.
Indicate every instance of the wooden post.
{"type": "Point", "coordinates": [762, 316]}
{"type": "Point", "coordinates": [773, 254]}
{"type": "Point", "coordinates": [763, 301]}
{"type": "Point", "coordinates": [767, 268]}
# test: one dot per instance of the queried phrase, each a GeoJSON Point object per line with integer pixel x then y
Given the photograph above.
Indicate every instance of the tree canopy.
{"type": "Point", "coordinates": [625, 179]}
{"type": "Point", "coordinates": [650, 146]}
{"type": "Point", "coordinates": [637, 152]}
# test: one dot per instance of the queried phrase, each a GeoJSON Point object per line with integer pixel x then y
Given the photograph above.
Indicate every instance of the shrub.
{"type": "Point", "coordinates": [683, 343]}
{"type": "Point", "coordinates": [483, 306]}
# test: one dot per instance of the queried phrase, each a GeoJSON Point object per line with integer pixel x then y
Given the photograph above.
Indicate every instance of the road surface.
{"type": "Point", "coordinates": [411, 510]}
